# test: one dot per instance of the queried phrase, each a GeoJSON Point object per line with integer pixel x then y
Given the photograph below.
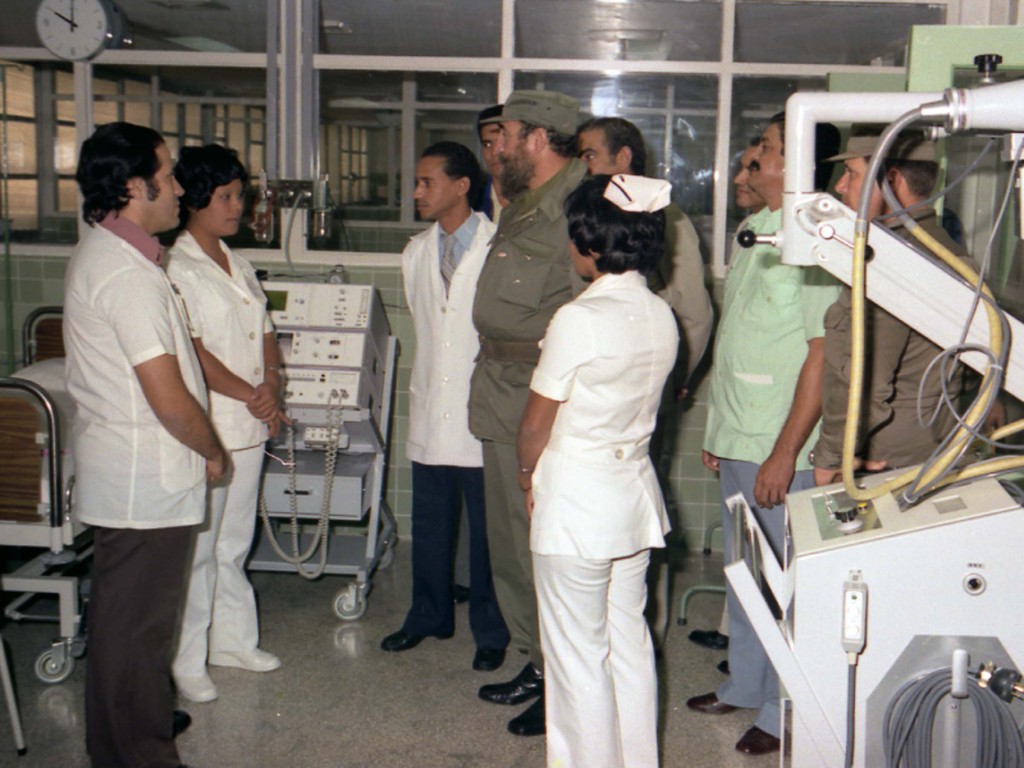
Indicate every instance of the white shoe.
{"type": "Point", "coordinates": [198, 689]}
{"type": "Point", "coordinates": [252, 661]}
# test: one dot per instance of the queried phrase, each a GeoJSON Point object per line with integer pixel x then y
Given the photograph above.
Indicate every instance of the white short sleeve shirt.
{"type": "Point", "coordinates": [605, 356]}
{"type": "Point", "coordinates": [120, 310]}
{"type": "Point", "coordinates": [229, 314]}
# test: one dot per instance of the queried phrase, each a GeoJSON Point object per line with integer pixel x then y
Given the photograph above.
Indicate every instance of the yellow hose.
{"type": "Point", "coordinates": [963, 435]}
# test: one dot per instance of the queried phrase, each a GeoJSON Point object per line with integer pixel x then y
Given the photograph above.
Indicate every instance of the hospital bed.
{"type": "Point", "coordinates": [37, 492]}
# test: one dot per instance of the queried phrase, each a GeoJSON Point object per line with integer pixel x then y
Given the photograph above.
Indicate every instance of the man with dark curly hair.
{"type": "Point", "coordinates": [144, 445]}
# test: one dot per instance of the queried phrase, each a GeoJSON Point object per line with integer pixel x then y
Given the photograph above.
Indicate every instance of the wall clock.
{"type": "Point", "coordinates": [79, 29]}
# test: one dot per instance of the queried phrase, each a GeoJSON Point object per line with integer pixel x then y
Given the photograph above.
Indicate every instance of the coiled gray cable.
{"type": "Point", "coordinates": [910, 722]}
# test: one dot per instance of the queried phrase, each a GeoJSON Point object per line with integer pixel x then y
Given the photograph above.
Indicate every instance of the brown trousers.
{"type": "Point", "coordinates": [138, 588]}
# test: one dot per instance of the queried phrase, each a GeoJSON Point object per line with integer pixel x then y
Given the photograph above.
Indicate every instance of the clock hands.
{"type": "Point", "coordinates": [62, 17]}
{"type": "Point", "coordinates": [70, 21]}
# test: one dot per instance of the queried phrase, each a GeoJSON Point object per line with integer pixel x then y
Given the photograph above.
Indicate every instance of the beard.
{"type": "Point", "coordinates": [516, 175]}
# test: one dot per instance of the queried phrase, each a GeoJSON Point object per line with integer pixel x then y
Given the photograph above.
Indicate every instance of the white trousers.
{"type": "Point", "coordinates": [600, 683]}
{"type": "Point", "coordinates": [220, 610]}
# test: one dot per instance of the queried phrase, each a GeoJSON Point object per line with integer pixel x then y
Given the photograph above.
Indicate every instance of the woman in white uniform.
{"type": "Point", "coordinates": [235, 342]}
{"type": "Point", "coordinates": [591, 490]}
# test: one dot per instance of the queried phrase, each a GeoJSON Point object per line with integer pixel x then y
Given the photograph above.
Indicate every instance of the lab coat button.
{"type": "Point", "coordinates": [444, 310]}
{"type": "Point", "coordinates": [252, 335]}
{"type": "Point", "coordinates": [618, 453]}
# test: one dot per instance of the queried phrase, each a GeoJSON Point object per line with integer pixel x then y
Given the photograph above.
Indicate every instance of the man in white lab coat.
{"type": "Point", "coordinates": [440, 267]}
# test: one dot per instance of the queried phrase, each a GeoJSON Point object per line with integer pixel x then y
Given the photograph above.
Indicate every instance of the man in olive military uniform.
{"type": "Point", "coordinates": [528, 275]}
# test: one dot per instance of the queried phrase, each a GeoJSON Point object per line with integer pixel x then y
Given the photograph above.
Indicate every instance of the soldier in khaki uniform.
{"type": "Point", "coordinates": [528, 275]}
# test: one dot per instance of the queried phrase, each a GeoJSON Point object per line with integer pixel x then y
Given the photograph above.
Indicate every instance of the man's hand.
{"type": "Point", "coordinates": [773, 480]}
{"type": "Point", "coordinates": [529, 503]}
{"type": "Point", "coordinates": [710, 460]}
{"type": "Point", "coordinates": [178, 411]}
{"type": "Point", "coordinates": [218, 467]}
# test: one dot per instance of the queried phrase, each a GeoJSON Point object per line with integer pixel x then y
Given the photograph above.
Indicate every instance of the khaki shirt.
{"type": "Point", "coordinates": [527, 276]}
{"type": "Point", "coordinates": [897, 357]}
{"type": "Point", "coordinates": [679, 280]}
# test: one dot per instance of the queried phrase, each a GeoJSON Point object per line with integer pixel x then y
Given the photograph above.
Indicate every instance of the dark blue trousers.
{"type": "Point", "coordinates": [436, 495]}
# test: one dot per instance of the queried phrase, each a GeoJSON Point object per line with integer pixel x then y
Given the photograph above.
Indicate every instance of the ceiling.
{"type": "Point", "coordinates": [588, 29]}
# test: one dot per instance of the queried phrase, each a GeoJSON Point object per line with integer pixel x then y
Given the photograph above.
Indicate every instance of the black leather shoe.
{"type": "Point", "coordinates": [723, 667]}
{"type": "Point", "coordinates": [460, 594]}
{"type": "Point", "coordinates": [181, 721]}
{"type": "Point", "coordinates": [531, 722]}
{"type": "Point", "coordinates": [488, 659]}
{"type": "Point", "coordinates": [526, 685]}
{"type": "Point", "coordinates": [757, 742]}
{"type": "Point", "coordinates": [710, 705]}
{"type": "Point", "coordinates": [710, 638]}
{"type": "Point", "coordinates": [400, 641]}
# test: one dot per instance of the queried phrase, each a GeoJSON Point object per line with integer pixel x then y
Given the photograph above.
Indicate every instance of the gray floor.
{"type": "Point", "coordinates": [340, 701]}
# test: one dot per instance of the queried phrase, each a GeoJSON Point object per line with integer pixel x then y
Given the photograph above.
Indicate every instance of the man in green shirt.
{"type": "Point", "coordinates": [763, 413]}
{"type": "Point", "coordinates": [528, 275]}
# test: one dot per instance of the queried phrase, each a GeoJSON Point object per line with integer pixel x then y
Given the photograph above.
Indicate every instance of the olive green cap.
{"type": "Point", "coordinates": [548, 109]}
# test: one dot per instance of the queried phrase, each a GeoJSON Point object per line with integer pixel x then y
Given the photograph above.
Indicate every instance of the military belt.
{"type": "Point", "coordinates": [509, 351]}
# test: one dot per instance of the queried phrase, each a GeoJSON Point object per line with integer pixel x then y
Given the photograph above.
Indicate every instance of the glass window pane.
{"type": "Point", "coordinates": [21, 147]}
{"type": "Point", "coordinates": [361, 126]}
{"type": "Point", "coordinates": [828, 32]}
{"type": "Point", "coordinates": [168, 116]}
{"type": "Point", "coordinates": [67, 196]}
{"type": "Point", "coordinates": [20, 90]}
{"type": "Point", "coordinates": [23, 204]}
{"type": "Point", "coordinates": [754, 101]}
{"type": "Point", "coordinates": [256, 122]}
{"type": "Point", "coordinates": [193, 128]}
{"type": "Point", "coordinates": [680, 138]}
{"type": "Point", "coordinates": [236, 126]}
{"type": "Point", "coordinates": [434, 28]}
{"type": "Point", "coordinates": [645, 30]}
{"type": "Point", "coordinates": [138, 110]}
{"type": "Point", "coordinates": [105, 111]}
{"type": "Point", "coordinates": [65, 86]}
{"type": "Point", "coordinates": [65, 153]}
{"type": "Point", "coordinates": [256, 160]}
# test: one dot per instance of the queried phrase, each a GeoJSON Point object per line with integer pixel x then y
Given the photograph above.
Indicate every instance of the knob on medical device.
{"type": "Point", "coordinates": [747, 238]}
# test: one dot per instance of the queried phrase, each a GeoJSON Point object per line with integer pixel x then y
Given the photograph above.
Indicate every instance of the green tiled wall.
{"type": "Point", "coordinates": [692, 491]}
{"type": "Point", "coordinates": [36, 282]}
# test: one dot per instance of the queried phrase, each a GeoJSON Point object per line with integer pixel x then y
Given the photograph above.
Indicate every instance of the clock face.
{"type": "Point", "coordinates": [78, 29]}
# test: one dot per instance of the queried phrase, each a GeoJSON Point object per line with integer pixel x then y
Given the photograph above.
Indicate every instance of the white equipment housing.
{"type": "Point", "coordinates": [339, 360]}
{"type": "Point", "coordinates": [941, 576]}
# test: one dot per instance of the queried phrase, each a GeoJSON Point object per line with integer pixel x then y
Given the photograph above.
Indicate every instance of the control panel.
{"type": "Point", "coordinates": [333, 339]}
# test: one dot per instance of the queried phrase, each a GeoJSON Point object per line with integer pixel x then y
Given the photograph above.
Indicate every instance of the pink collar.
{"type": "Point", "coordinates": [134, 235]}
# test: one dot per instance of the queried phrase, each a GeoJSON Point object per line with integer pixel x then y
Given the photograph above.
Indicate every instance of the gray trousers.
{"type": "Point", "coordinates": [508, 538]}
{"type": "Point", "coordinates": [752, 683]}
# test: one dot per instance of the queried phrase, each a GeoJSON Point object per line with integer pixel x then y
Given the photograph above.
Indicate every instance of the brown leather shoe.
{"type": "Point", "coordinates": [710, 705]}
{"type": "Point", "coordinates": [757, 742]}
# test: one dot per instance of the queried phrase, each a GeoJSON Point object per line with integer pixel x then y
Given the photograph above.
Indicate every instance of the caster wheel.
{"type": "Point", "coordinates": [51, 670]}
{"type": "Point", "coordinates": [350, 604]}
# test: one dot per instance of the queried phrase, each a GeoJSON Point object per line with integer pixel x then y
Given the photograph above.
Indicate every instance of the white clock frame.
{"type": "Point", "coordinates": [78, 30]}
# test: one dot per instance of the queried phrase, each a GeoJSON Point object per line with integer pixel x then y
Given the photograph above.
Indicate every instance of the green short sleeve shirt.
{"type": "Point", "coordinates": [771, 310]}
